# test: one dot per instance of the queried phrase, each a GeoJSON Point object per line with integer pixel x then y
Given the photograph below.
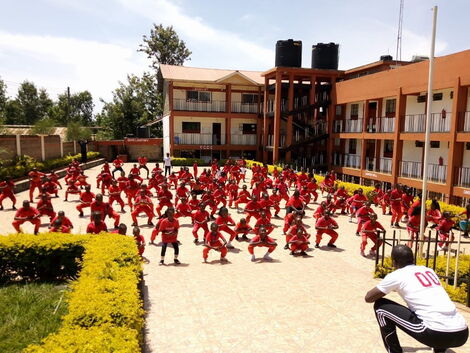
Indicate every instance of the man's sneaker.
{"type": "Point", "coordinates": [223, 259]}
{"type": "Point", "coordinates": [350, 220]}
{"type": "Point", "coordinates": [150, 223]}
{"type": "Point", "coordinates": [397, 225]}
{"type": "Point", "coordinates": [303, 253]}
{"type": "Point", "coordinates": [317, 246]}
{"type": "Point", "coordinates": [162, 262]}
{"type": "Point", "coordinates": [177, 262]}
{"type": "Point", "coordinates": [253, 258]}
{"type": "Point", "coordinates": [292, 253]}
{"type": "Point", "coordinates": [230, 246]}
{"type": "Point", "coordinates": [372, 253]}
{"type": "Point", "coordinates": [331, 245]}
{"type": "Point", "coordinates": [286, 247]}
{"type": "Point", "coordinates": [81, 214]}
{"type": "Point", "coordinates": [196, 241]}
{"type": "Point", "coordinates": [357, 234]}
{"type": "Point", "coordinates": [267, 257]}
{"type": "Point", "coordinates": [13, 207]}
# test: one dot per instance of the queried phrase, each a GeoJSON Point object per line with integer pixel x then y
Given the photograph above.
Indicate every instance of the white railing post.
{"type": "Point", "coordinates": [43, 148]}
{"type": "Point", "coordinates": [18, 145]}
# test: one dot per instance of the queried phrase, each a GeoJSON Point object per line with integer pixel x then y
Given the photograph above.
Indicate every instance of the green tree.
{"type": "Point", "coordinates": [75, 132]}
{"type": "Point", "coordinates": [163, 46]}
{"type": "Point", "coordinates": [43, 127]}
{"type": "Point", "coordinates": [3, 100]}
{"type": "Point", "coordinates": [29, 106]}
{"type": "Point", "coordinates": [79, 107]}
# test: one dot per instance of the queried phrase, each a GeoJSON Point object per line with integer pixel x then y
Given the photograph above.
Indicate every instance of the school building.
{"type": "Point", "coordinates": [367, 123]}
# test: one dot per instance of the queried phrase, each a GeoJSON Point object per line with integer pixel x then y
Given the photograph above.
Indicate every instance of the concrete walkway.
{"type": "Point", "coordinates": [312, 304]}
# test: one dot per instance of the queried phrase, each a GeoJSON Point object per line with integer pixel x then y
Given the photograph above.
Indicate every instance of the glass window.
{"type": "Point", "coordinates": [191, 127]}
{"type": "Point", "coordinates": [249, 129]}
{"type": "Point", "coordinates": [204, 96]}
{"type": "Point", "coordinates": [388, 148]}
{"type": "Point", "coordinates": [198, 96]}
{"type": "Point", "coordinates": [390, 106]}
{"type": "Point", "coordinates": [352, 146]}
{"type": "Point", "coordinates": [354, 111]}
{"type": "Point", "coordinates": [249, 98]}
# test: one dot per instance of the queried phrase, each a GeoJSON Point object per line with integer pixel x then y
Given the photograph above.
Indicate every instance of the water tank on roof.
{"type": "Point", "coordinates": [288, 53]}
{"type": "Point", "coordinates": [386, 58]}
{"type": "Point", "coordinates": [325, 56]}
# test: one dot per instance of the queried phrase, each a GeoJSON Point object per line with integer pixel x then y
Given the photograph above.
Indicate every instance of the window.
{"type": "Point", "coordinates": [339, 110]}
{"type": "Point", "coordinates": [198, 96]}
{"type": "Point", "coordinates": [354, 111]}
{"type": "Point", "coordinates": [437, 97]}
{"type": "Point", "coordinates": [249, 98]}
{"type": "Point", "coordinates": [191, 127]}
{"type": "Point", "coordinates": [388, 148]}
{"type": "Point", "coordinates": [352, 146]}
{"type": "Point", "coordinates": [390, 106]}
{"type": "Point", "coordinates": [248, 129]}
{"type": "Point", "coordinates": [421, 99]}
{"type": "Point", "coordinates": [435, 144]}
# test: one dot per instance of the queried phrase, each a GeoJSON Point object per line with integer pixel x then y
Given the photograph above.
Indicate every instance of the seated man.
{"type": "Point", "coordinates": [431, 317]}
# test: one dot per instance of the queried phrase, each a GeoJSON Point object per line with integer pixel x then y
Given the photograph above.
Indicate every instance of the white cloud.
{"type": "Point", "coordinates": [229, 48]}
{"type": "Point", "coordinates": [55, 62]}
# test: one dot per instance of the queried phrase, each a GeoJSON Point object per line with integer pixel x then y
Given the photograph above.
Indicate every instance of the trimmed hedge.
{"type": "Point", "coordinates": [105, 311]}
{"type": "Point", "coordinates": [24, 164]}
{"type": "Point", "coordinates": [180, 162]}
{"type": "Point", "coordinates": [458, 294]}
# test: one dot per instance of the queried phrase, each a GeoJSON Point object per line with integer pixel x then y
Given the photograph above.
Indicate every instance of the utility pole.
{"type": "Point", "coordinates": [68, 104]}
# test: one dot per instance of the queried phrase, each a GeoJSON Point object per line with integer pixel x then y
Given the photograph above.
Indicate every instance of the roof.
{"type": "Point", "coordinates": [377, 64]}
{"type": "Point", "coordinates": [191, 74]}
{"type": "Point", "coordinates": [27, 130]}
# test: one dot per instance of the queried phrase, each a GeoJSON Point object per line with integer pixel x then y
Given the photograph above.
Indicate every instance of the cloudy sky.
{"type": "Point", "coordinates": [90, 44]}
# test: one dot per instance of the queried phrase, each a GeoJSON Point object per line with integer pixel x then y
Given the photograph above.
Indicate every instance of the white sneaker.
{"type": "Point", "coordinates": [267, 257]}
{"type": "Point", "coordinates": [350, 220]}
{"type": "Point", "coordinates": [230, 246]}
{"type": "Point", "coordinates": [253, 258]}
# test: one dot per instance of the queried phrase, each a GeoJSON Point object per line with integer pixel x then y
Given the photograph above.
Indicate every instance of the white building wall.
{"type": "Point", "coordinates": [442, 151]}
{"type": "Point", "coordinates": [206, 124]}
{"type": "Point", "coordinates": [360, 110]}
{"type": "Point", "coordinates": [215, 96]}
{"type": "Point", "coordinates": [413, 107]}
{"type": "Point", "coordinates": [466, 158]}
{"type": "Point", "coordinates": [166, 134]}
{"type": "Point", "coordinates": [445, 103]}
{"type": "Point", "coordinates": [411, 153]}
{"type": "Point", "coordinates": [384, 105]}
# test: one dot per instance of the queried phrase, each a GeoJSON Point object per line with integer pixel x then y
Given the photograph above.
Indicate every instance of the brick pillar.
{"type": "Point", "coordinates": [329, 121]}
{"type": "Point", "coordinates": [18, 145]}
{"type": "Point", "coordinates": [397, 142]}
{"type": "Point", "coordinates": [277, 116]}
{"type": "Point", "coordinates": [265, 120]}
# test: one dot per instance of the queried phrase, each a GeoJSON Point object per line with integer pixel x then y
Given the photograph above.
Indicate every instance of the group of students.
{"type": "Point", "coordinates": [200, 196]}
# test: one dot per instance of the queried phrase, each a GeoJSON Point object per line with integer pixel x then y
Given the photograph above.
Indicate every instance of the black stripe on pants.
{"type": "Point", "coordinates": [175, 247]}
{"type": "Point", "coordinates": [391, 315]}
{"type": "Point", "coordinates": [167, 170]}
{"type": "Point", "coordinates": [145, 167]}
{"type": "Point", "coordinates": [117, 169]}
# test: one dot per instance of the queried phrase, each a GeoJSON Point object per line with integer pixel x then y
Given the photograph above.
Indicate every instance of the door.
{"type": "Point", "coordinates": [372, 117]}
{"type": "Point", "coordinates": [216, 133]}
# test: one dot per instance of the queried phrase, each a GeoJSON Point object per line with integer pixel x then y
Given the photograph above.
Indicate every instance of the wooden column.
{"type": "Point", "coordinates": [290, 102]}
{"type": "Point", "coordinates": [313, 79]}
{"type": "Point", "coordinates": [18, 145]}
{"type": "Point", "coordinates": [258, 127]}
{"type": "Point", "coordinates": [378, 143]}
{"type": "Point", "coordinates": [456, 150]}
{"type": "Point", "coordinates": [228, 119]}
{"type": "Point", "coordinates": [330, 119]}
{"type": "Point", "coordinates": [364, 129]}
{"type": "Point", "coordinates": [264, 142]}
{"type": "Point", "coordinates": [171, 119]}
{"type": "Point", "coordinates": [228, 98]}
{"type": "Point", "coordinates": [277, 116]}
{"type": "Point", "coordinates": [397, 142]}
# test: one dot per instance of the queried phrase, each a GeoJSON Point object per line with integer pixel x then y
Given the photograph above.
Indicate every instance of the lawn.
{"type": "Point", "coordinates": [27, 314]}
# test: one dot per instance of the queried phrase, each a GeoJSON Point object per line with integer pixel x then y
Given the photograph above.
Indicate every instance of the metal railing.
{"type": "Point", "coordinates": [347, 160]}
{"type": "Point", "coordinates": [270, 106]}
{"type": "Point", "coordinates": [348, 125]}
{"type": "Point", "coordinates": [198, 106]}
{"type": "Point", "coordinates": [414, 170]}
{"type": "Point", "coordinates": [385, 124]}
{"type": "Point", "coordinates": [463, 177]}
{"type": "Point", "coordinates": [440, 122]}
{"type": "Point", "coordinates": [247, 139]}
{"type": "Point", "coordinates": [417, 122]}
{"type": "Point", "coordinates": [466, 122]}
{"type": "Point", "coordinates": [282, 140]}
{"type": "Point", "coordinates": [370, 164]}
{"type": "Point", "coordinates": [385, 165]}
{"type": "Point", "coordinates": [414, 123]}
{"type": "Point", "coordinates": [239, 107]}
{"type": "Point", "coordinates": [199, 139]}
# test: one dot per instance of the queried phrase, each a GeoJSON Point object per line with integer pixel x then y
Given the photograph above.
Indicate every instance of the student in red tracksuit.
{"type": "Point", "coordinates": [7, 191]}
{"type": "Point", "coordinates": [183, 209]}
{"type": "Point", "coordinates": [275, 199]}
{"type": "Point", "coordinates": [413, 224]}
{"type": "Point", "coordinates": [377, 194]}
{"type": "Point", "coordinates": [135, 171]}
{"type": "Point", "coordinates": [81, 180]}
{"type": "Point", "coordinates": [181, 192]}
{"type": "Point", "coordinates": [169, 228]}
{"type": "Point", "coordinates": [54, 178]}
{"type": "Point", "coordinates": [200, 218]}
{"type": "Point", "coordinates": [214, 240]}
{"type": "Point", "coordinates": [195, 169]}
{"type": "Point", "coordinates": [262, 240]}
{"type": "Point", "coordinates": [326, 225]}
{"type": "Point", "coordinates": [406, 201]}
{"type": "Point", "coordinates": [252, 209]}
{"type": "Point", "coordinates": [144, 204]}
{"type": "Point", "coordinates": [139, 240]}
{"type": "Point", "coordinates": [45, 207]}
{"type": "Point", "coordinates": [98, 206]}
{"type": "Point", "coordinates": [121, 229]}
{"type": "Point", "coordinates": [143, 164]}
{"type": "Point", "coordinates": [57, 227]}
{"type": "Point", "coordinates": [122, 181]}
{"type": "Point", "coordinates": [64, 221]}
{"type": "Point", "coordinates": [232, 190]}
{"type": "Point", "coordinates": [444, 231]}
{"type": "Point", "coordinates": [27, 214]}
{"type": "Point", "coordinates": [115, 195]}
{"type": "Point", "coordinates": [395, 205]}
{"type": "Point", "coordinates": [86, 198]}
{"type": "Point", "coordinates": [370, 231]}
{"type": "Point", "coordinates": [224, 222]}
{"type": "Point", "coordinates": [320, 211]}
{"type": "Point", "coordinates": [292, 231]}
{"type": "Point", "coordinates": [243, 196]}
{"type": "Point", "coordinates": [340, 197]}
{"type": "Point", "coordinates": [357, 201]}
{"type": "Point", "coordinates": [97, 225]}
{"type": "Point", "coordinates": [35, 182]}
{"type": "Point", "coordinates": [299, 243]}
{"type": "Point", "coordinates": [312, 188]}
{"type": "Point", "coordinates": [242, 228]}
{"type": "Point", "coordinates": [433, 215]}
{"type": "Point", "coordinates": [296, 203]}
{"type": "Point", "coordinates": [263, 221]}
{"type": "Point", "coordinates": [363, 215]}
{"type": "Point", "coordinates": [164, 199]}
{"type": "Point", "coordinates": [385, 202]}
{"type": "Point", "coordinates": [117, 163]}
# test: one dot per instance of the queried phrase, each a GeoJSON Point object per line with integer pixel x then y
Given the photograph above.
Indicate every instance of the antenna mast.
{"type": "Point", "coordinates": [400, 30]}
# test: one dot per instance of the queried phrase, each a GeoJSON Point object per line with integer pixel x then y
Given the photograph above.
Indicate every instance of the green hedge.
{"type": "Point", "coordinates": [21, 166]}
{"type": "Point", "coordinates": [180, 162]}
{"type": "Point", "coordinates": [105, 311]}
{"type": "Point", "coordinates": [458, 294]}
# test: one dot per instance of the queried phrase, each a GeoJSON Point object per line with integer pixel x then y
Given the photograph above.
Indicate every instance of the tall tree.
{"type": "Point", "coordinates": [76, 108]}
{"type": "Point", "coordinates": [3, 100]}
{"type": "Point", "coordinates": [163, 46]}
{"type": "Point", "coordinates": [29, 106]}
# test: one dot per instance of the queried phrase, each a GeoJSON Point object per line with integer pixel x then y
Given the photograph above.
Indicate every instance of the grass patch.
{"type": "Point", "coordinates": [27, 314]}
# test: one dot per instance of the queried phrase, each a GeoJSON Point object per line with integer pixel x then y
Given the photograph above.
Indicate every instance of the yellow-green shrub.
{"type": "Point", "coordinates": [104, 305]}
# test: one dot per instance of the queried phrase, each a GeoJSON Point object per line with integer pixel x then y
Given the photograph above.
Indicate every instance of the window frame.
{"type": "Point", "coordinates": [190, 131]}
{"type": "Point", "coordinates": [354, 116]}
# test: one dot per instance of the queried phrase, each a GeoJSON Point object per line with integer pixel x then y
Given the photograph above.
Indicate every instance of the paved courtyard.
{"type": "Point", "coordinates": [312, 304]}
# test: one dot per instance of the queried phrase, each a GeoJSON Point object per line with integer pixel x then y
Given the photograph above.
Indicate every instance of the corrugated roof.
{"type": "Point", "coordinates": [26, 130]}
{"type": "Point", "coordinates": [185, 73]}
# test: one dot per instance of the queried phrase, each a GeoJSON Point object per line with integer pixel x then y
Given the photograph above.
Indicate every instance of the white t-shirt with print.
{"type": "Point", "coordinates": [421, 289]}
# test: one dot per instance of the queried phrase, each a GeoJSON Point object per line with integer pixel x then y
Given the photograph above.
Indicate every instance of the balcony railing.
{"type": "Point", "coordinates": [239, 107]}
{"type": "Point", "coordinates": [198, 106]}
{"type": "Point", "coordinates": [282, 140]}
{"type": "Point", "coordinates": [383, 124]}
{"type": "Point", "coordinates": [466, 121]}
{"type": "Point", "coordinates": [248, 140]}
{"type": "Point", "coordinates": [199, 139]}
{"type": "Point", "coordinates": [417, 122]}
{"type": "Point", "coordinates": [370, 164]}
{"type": "Point", "coordinates": [382, 165]}
{"type": "Point", "coordinates": [463, 177]}
{"type": "Point", "coordinates": [436, 173]}
{"type": "Point", "coordinates": [347, 160]}
{"type": "Point", "coordinates": [348, 125]}
{"type": "Point", "coordinates": [271, 106]}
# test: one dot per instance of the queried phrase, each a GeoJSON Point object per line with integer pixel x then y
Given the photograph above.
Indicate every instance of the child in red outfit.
{"type": "Point", "coordinates": [299, 243]}
{"type": "Point", "coordinates": [214, 240]}
{"type": "Point", "coordinates": [86, 198]}
{"type": "Point", "coordinates": [27, 214]}
{"type": "Point", "coordinates": [326, 225]}
{"type": "Point", "coordinates": [169, 228]}
{"type": "Point", "coordinates": [370, 231]}
{"type": "Point", "coordinates": [224, 222]}
{"type": "Point", "coordinates": [262, 240]}
{"type": "Point", "coordinates": [7, 191]}
{"type": "Point", "coordinates": [242, 228]}
{"type": "Point", "coordinates": [139, 240]}
{"type": "Point", "coordinates": [200, 218]}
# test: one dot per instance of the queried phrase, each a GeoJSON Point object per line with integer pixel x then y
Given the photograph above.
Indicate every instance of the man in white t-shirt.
{"type": "Point", "coordinates": [431, 317]}
{"type": "Point", "coordinates": [167, 163]}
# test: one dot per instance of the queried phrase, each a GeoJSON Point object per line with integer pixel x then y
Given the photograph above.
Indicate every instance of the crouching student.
{"type": "Point", "coordinates": [299, 242]}
{"type": "Point", "coordinates": [214, 240]}
{"type": "Point", "coordinates": [262, 240]}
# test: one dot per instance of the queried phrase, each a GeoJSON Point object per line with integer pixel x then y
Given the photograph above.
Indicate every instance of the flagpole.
{"type": "Point", "coordinates": [428, 129]}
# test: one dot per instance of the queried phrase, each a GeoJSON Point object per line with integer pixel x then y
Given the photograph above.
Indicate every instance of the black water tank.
{"type": "Point", "coordinates": [386, 58]}
{"type": "Point", "coordinates": [325, 56]}
{"type": "Point", "coordinates": [288, 53]}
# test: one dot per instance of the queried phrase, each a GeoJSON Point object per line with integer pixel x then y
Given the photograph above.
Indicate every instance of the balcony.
{"type": "Point", "coordinates": [270, 106]}
{"type": "Point", "coordinates": [246, 140]}
{"type": "Point", "coordinates": [463, 177]}
{"type": "Point", "coordinates": [347, 160]}
{"type": "Point", "coordinates": [381, 125]}
{"type": "Point", "coordinates": [466, 122]}
{"type": "Point", "coordinates": [417, 122]}
{"type": "Point", "coordinates": [282, 141]}
{"type": "Point", "coordinates": [198, 106]}
{"type": "Point", "coordinates": [348, 125]}
{"type": "Point", "coordinates": [414, 170]}
{"type": "Point", "coordinates": [199, 139]}
{"type": "Point", "coordinates": [239, 107]}
{"type": "Point", "coordinates": [382, 165]}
